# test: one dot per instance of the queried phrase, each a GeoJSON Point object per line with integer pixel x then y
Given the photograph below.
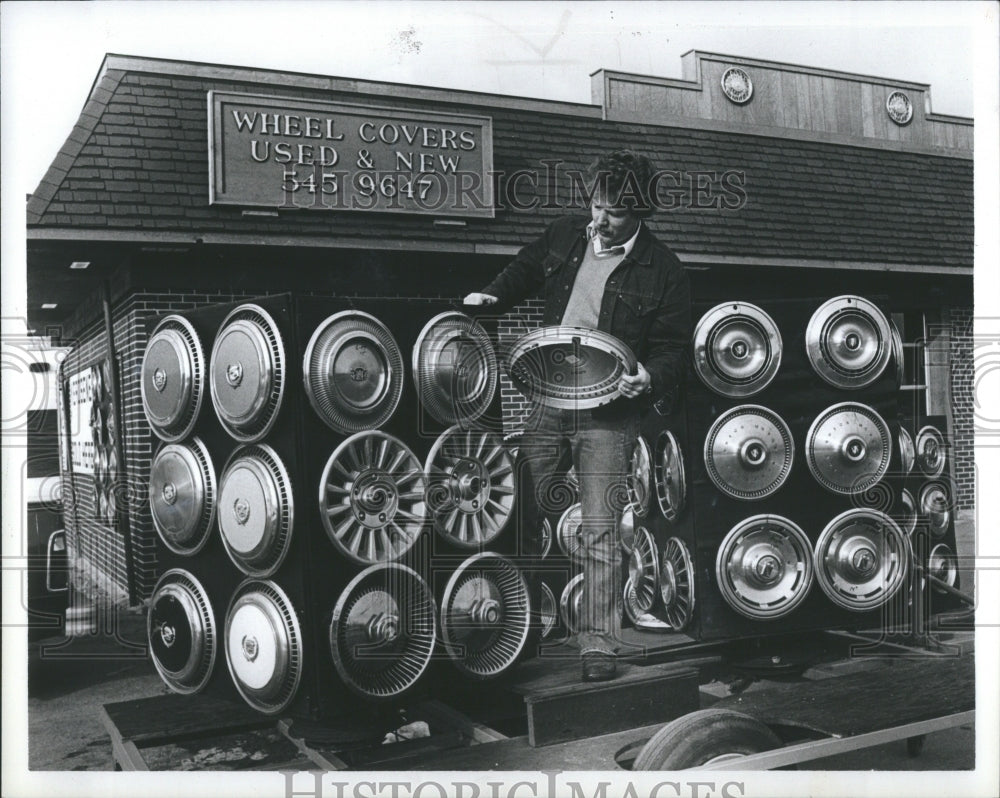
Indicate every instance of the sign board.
{"type": "Point", "coordinates": [84, 390]}
{"type": "Point", "coordinates": [289, 153]}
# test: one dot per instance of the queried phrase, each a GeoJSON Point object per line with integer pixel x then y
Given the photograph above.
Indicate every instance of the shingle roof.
{"type": "Point", "coordinates": [137, 161]}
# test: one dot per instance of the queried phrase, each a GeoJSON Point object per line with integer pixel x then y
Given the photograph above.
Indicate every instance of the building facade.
{"type": "Point", "coordinates": [189, 184]}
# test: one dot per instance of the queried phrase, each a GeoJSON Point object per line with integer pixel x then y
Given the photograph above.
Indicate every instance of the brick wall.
{"type": "Point", "coordinates": [963, 405]}
{"type": "Point", "coordinates": [522, 319]}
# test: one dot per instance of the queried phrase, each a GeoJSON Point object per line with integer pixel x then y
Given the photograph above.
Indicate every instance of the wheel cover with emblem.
{"type": "Point", "coordinates": [454, 368]}
{"type": "Point", "coordinates": [639, 480]}
{"type": "Point", "coordinates": [861, 559]}
{"type": "Point", "coordinates": [383, 630]}
{"type": "Point", "coordinates": [737, 349]}
{"type": "Point", "coordinates": [848, 448]}
{"type": "Point", "coordinates": [181, 631]}
{"type": "Point", "coordinates": [256, 510]}
{"type": "Point", "coordinates": [353, 372]}
{"type": "Point", "coordinates": [470, 486]}
{"type": "Point", "coordinates": [668, 472]}
{"type": "Point", "coordinates": [568, 533]}
{"type": "Point", "coordinates": [569, 368]}
{"type": "Point", "coordinates": [934, 502]}
{"type": "Point", "coordinates": [264, 647]}
{"type": "Point", "coordinates": [182, 494]}
{"type": "Point", "coordinates": [247, 373]}
{"type": "Point", "coordinates": [485, 616]}
{"type": "Point", "coordinates": [942, 565]}
{"type": "Point", "coordinates": [172, 378]}
{"type": "Point", "coordinates": [849, 342]}
{"type": "Point", "coordinates": [764, 567]}
{"type": "Point", "coordinates": [677, 584]}
{"type": "Point", "coordinates": [372, 498]}
{"type": "Point", "coordinates": [749, 452]}
{"type": "Point", "coordinates": [930, 451]}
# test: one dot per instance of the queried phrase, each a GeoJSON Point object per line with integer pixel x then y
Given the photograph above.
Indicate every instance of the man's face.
{"type": "Point", "coordinates": [614, 224]}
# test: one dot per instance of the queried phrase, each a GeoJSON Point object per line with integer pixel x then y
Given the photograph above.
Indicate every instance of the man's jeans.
{"type": "Point", "coordinates": [600, 454]}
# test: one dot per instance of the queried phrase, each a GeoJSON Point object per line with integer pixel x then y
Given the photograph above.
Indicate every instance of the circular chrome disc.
{"type": "Point", "coordinates": [383, 630]}
{"type": "Point", "coordinates": [263, 645]}
{"type": "Point", "coordinates": [571, 604]}
{"type": "Point", "coordinates": [644, 569]}
{"type": "Point", "coordinates": [571, 368]}
{"type": "Point", "coordinates": [749, 452]}
{"type": "Point", "coordinates": [934, 502]}
{"type": "Point", "coordinates": [737, 349]}
{"type": "Point", "coordinates": [848, 342]}
{"type": "Point", "coordinates": [454, 368]}
{"type": "Point", "coordinates": [353, 372]}
{"type": "Point", "coordinates": [897, 352]}
{"type": "Point", "coordinates": [861, 559]}
{"type": "Point", "coordinates": [668, 471]}
{"type": "Point", "coordinates": [764, 567]}
{"type": "Point", "coordinates": [548, 611]}
{"type": "Point", "coordinates": [907, 452]}
{"type": "Point", "coordinates": [568, 533]}
{"type": "Point", "coordinates": [470, 494]}
{"type": "Point", "coordinates": [639, 480]}
{"type": "Point", "coordinates": [626, 530]}
{"type": "Point", "coordinates": [546, 538]}
{"type": "Point", "coordinates": [485, 615]}
{"type": "Point", "coordinates": [930, 450]}
{"type": "Point", "coordinates": [247, 373]}
{"type": "Point", "coordinates": [182, 495]}
{"type": "Point", "coordinates": [172, 382]}
{"type": "Point", "coordinates": [256, 511]}
{"type": "Point", "coordinates": [677, 584]}
{"type": "Point", "coordinates": [848, 448]}
{"type": "Point", "coordinates": [371, 498]}
{"type": "Point", "coordinates": [180, 628]}
{"type": "Point", "coordinates": [907, 512]}
{"type": "Point", "coordinates": [941, 564]}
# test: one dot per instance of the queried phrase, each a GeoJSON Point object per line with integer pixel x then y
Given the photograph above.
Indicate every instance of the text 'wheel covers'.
{"type": "Point", "coordinates": [454, 368]}
{"type": "Point", "coordinates": [764, 567]}
{"type": "Point", "coordinates": [264, 646]}
{"type": "Point", "coordinates": [371, 498]}
{"type": "Point", "coordinates": [248, 373]}
{"type": "Point", "coordinates": [861, 559]}
{"type": "Point", "coordinates": [737, 349]}
{"type": "Point", "coordinates": [848, 448]}
{"type": "Point", "coordinates": [182, 495]}
{"type": "Point", "coordinates": [181, 631]}
{"type": "Point", "coordinates": [749, 452]}
{"type": "Point", "coordinates": [256, 510]}
{"type": "Point", "coordinates": [353, 372]}
{"type": "Point", "coordinates": [677, 584]}
{"type": "Point", "coordinates": [470, 486]}
{"type": "Point", "coordinates": [485, 615]}
{"type": "Point", "coordinates": [849, 342]}
{"type": "Point", "coordinates": [383, 630]}
{"type": "Point", "coordinates": [172, 381]}
{"type": "Point", "coordinates": [668, 472]}
{"type": "Point", "coordinates": [569, 367]}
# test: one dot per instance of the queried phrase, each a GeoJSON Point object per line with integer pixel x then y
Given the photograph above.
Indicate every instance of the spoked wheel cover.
{"type": "Point", "coordinates": [371, 498]}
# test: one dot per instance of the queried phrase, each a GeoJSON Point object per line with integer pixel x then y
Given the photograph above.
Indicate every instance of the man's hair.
{"type": "Point", "coordinates": [622, 178]}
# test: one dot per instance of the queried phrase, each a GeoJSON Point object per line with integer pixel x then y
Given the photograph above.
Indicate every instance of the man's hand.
{"type": "Point", "coordinates": [479, 299]}
{"type": "Point", "coordinates": [633, 385]}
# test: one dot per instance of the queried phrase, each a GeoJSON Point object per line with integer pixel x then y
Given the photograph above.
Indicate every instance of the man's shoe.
{"type": "Point", "coordinates": [598, 666]}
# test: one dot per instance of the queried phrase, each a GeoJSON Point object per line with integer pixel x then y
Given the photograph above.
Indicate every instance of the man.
{"type": "Point", "coordinates": [611, 275]}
